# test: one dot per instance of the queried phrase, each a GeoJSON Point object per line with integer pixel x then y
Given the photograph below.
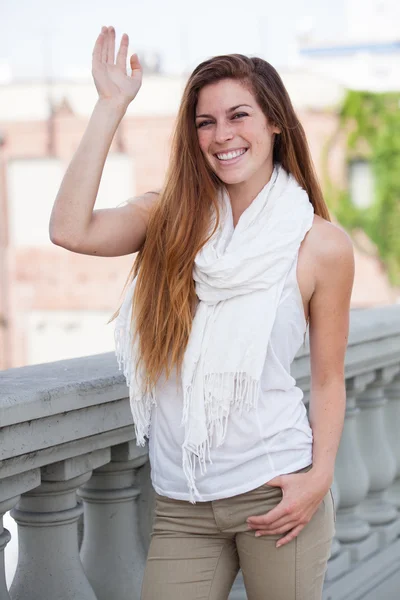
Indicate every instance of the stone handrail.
{"type": "Point", "coordinates": [67, 446]}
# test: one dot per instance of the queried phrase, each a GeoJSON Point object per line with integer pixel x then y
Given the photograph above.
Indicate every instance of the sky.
{"type": "Point", "coordinates": [40, 37]}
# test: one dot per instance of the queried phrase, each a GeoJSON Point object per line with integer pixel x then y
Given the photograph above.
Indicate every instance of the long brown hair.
{"type": "Point", "coordinates": [165, 298]}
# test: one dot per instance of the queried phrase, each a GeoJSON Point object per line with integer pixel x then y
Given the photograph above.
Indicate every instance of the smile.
{"type": "Point", "coordinates": [232, 156]}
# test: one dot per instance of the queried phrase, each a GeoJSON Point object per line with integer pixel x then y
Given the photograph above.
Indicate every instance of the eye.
{"type": "Point", "coordinates": [240, 115]}
{"type": "Point", "coordinates": [203, 123]}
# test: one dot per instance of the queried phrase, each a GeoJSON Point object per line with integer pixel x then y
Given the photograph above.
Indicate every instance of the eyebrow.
{"type": "Point", "coordinates": [228, 111]}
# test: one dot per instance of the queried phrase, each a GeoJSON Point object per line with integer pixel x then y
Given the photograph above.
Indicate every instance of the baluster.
{"type": "Point", "coordinates": [5, 537]}
{"type": "Point", "coordinates": [49, 567]}
{"type": "Point", "coordinates": [238, 591]}
{"type": "Point", "coordinates": [392, 414]}
{"type": "Point", "coordinates": [339, 561]}
{"type": "Point", "coordinates": [11, 489]}
{"type": "Point", "coordinates": [352, 479]}
{"type": "Point", "coordinates": [112, 550]}
{"type": "Point", "coordinates": [378, 457]}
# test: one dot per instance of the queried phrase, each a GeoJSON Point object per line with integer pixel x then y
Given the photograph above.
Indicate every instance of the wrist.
{"type": "Point", "coordinates": [323, 474]}
{"type": "Point", "coordinates": [112, 107]}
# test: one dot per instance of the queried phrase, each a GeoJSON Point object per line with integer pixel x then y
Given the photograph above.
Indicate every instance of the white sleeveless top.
{"type": "Point", "coordinates": [273, 439]}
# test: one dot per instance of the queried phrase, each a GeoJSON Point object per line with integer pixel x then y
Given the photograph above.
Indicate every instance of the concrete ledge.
{"type": "Point", "coordinates": [48, 389]}
{"type": "Point", "coordinates": [381, 571]}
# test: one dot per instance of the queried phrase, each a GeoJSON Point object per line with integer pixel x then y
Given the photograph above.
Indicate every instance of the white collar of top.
{"type": "Point", "coordinates": [239, 276]}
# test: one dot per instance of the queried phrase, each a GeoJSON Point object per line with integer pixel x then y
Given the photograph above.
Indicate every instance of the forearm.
{"type": "Point", "coordinates": [326, 414]}
{"type": "Point", "coordinates": [73, 207]}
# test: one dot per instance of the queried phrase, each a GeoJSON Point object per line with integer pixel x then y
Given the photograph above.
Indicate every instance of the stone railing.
{"type": "Point", "coordinates": [67, 447]}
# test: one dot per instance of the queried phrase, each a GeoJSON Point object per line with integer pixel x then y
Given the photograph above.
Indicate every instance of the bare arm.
{"type": "Point", "coordinates": [116, 231]}
{"type": "Point", "coordinates": [329, 328]}
{"type": "Point", "coordinates": [74, 224]}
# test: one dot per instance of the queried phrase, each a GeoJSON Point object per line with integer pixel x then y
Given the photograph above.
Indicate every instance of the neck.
{"type": "Point", "coordinates": [242, 194]}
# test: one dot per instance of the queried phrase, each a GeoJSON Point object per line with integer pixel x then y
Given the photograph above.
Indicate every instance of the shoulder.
{"type": "Point", "coordinates": [332, 249]}
{"type": "Point", "coordinates": [147, 199]}
{"type": "Point", "coordinates": [329, 242]}
{"type": "Point", "coordinates": [144, 203]}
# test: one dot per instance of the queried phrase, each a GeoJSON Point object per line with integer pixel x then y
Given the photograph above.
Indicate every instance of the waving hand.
{"type": "Point", "coordinates": [109, 73]}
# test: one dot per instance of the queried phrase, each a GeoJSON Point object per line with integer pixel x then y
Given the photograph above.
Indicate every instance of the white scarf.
{"type": "Point", "coordinates": [239, 277]}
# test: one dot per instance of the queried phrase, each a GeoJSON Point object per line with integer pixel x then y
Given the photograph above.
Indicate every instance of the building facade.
{"type": "Point", "coordinates": [55, 304]}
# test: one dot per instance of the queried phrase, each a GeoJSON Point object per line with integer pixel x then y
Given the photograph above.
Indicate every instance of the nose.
{"type": "Point", "coordinates": [223, 132]}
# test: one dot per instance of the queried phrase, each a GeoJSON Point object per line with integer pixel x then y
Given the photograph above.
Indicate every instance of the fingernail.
{"type": "Point", "coordinates": [258, 534]}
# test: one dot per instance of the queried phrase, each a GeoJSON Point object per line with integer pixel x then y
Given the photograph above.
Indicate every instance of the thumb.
{"type": "Point", "coordinates": [275, 482]}
{"type": "Point", "coordinates": [135, 64]}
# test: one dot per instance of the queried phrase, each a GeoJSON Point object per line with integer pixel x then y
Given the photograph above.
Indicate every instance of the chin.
{"type": "Point", "coordinates": [231, 181]}
{"type": "Point", "coordinates": [231, 178]}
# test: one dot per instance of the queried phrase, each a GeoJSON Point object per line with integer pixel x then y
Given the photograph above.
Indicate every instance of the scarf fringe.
{"type": "Point", "coordinates": [223, 392]}
{"type": "Point", "coordinates": [141, 404]}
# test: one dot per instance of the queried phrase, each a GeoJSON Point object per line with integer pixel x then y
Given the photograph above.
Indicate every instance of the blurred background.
{"type": "Point", "coordinates": [339, 61]}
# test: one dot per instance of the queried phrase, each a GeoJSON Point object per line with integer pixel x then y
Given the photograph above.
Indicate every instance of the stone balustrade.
{"type": "Point", "coordinates": [68, 455]}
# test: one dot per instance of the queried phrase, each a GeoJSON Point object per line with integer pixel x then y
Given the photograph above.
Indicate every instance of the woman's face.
{"type": "Point", "coordinates": [234, 134]}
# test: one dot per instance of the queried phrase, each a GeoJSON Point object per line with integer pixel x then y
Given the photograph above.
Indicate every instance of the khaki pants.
{"type": "Point", "coordinates": [196, 550]}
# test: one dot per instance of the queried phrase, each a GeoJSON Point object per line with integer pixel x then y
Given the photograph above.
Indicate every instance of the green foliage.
{"type": "Point", "coordinates": [372, 123]}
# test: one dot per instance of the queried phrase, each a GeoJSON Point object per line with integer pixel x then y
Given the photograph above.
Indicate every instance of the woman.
{"type": "Point", "coordinates": [236, 257]}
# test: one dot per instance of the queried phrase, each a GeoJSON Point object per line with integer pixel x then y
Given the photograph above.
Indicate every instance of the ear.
{"type": "Point", "coordinates": [275, 129]}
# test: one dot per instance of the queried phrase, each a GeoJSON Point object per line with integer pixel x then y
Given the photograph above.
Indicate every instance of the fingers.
{"type": "Point", "coordinates": [290, 536]}
{"type": "Point", "coordinates": [291, 530]}
{"type": "Point", "coordinates": [280, 511]}
{"type": "Point", "coordinates": [104, 47]}
{"type": "Point", "coordinates": [277, 530]}
{"type": "Point", "coordinates": [104, 50]}
{"type": "Point", "coordinates": [98, 47]}
{"type": "Point", "coordinates": [111, 45]}
{"type": "Point", "coordinates": [123, 52]}
{"type": "Point", "coordinates": [278, 524]}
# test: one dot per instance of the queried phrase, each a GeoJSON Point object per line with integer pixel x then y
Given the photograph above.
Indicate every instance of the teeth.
{"type": "Point", "coordinates": [231, 155]}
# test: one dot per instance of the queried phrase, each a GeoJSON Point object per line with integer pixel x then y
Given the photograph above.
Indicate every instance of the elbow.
{"type": "Point", "coordinates": [54, 238]}
{"type": "Point", "coordinates": [54, 233]}
{"type": "Point", "coordinates": [57, 238]}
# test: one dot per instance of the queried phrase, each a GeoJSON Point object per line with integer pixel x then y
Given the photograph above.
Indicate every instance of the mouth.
{"type": "Point", "coordinates": [231, 157]}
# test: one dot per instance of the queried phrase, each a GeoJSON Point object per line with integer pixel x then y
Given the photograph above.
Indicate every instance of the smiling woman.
{"type": "Point", "coordinates": [236, 258]}
{"type": "Point", "coordinates": [238, 145]}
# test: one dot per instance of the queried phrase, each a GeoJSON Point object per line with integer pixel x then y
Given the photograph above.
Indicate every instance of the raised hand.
{"type": "Point", "coordinates": [110, 76]}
